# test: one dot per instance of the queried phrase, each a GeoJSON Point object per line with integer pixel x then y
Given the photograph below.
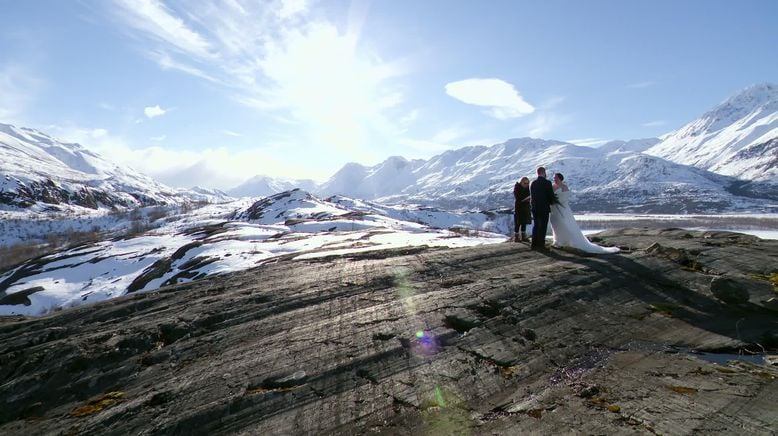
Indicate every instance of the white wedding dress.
{"type": "Point", "coordinates": [566, 231]}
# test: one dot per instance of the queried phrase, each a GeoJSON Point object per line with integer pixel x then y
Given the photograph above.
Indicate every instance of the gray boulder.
{"type": "Point", "coordinates": [731, 290]}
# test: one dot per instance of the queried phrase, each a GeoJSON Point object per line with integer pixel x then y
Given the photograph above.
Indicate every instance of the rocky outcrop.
{"type": "Point", "coordinates": [495, 339]}
{"type": "Point", "coordinates": [733, 290]}
{"type": "Point", "coordinates": [50, 193]}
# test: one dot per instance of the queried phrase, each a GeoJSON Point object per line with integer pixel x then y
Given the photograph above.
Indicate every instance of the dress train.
{"type": "Point", "coordinates": [566, 231]}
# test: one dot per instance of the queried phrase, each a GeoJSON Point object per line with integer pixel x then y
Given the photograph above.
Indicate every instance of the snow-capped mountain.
{"type": "Point", "coordinates": [40, 172]}
{"type": "Point", "coordinates": [465, 177]}
{"type": "Point", "coordinates": [206, 195]}
{"type": "Point", "coordinates": [723, 161]}
{"type": "Point", "coordinates": [739, 137]}
{"type": "Point", "coordinates": [636, 145]}
{"type": "Point", "coordinates": [389, 177]}
{"type": "Point", "coordinates": [613, 178]}
{"type": "Point", "coordinates": [262, 186]}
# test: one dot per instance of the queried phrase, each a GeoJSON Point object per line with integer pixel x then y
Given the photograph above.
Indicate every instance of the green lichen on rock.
{"type": "Point", "coordinates": [772, 278]}
{"type": "Point", "coordinates": [668, 309]}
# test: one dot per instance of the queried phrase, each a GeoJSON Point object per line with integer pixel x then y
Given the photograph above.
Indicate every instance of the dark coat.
{"type": "Point", "coordinates": [542, 193]}
{"type": "Point", "coordinates": [521, 208]}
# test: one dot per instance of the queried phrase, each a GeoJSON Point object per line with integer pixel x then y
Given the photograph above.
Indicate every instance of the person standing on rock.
{"type": "Point", "coordinates": [541, 199]}
{"type": "Point", "coordinates": [521, 210]}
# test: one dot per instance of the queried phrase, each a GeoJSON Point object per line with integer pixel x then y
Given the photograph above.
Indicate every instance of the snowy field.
{"type": "Point", "coordinates": [184, 246]}
{"type": "Point", "coordinates": [219, 239]}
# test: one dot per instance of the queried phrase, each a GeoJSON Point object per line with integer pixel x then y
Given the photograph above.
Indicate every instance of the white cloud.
{"type": "Point", "coordinates": [158, 138]}
{"type": "Point", "coordinates": [168, 63]}
{"type": "Point", "coordinates": [441, 141]}
{"type": "Point", "coordinates": [425, 148]}
{"type": "Point", "coordinates": [502, 99]}
{"type": "Point", "coordinates": [290, 8]}
{"type": "Point", "coordinates": [18, 88]}
{"type": "Point", "coordinates": [655, 123]}
{"type": "Point", "coordinates": [159, 22]}
{"type": "Point", "coordinates": [218, 167]}
{"type": "Point", "coordinates": [543, 123]}
{"type": "Point", "coordinates": [409, 117]}
{"type": "Point", "coordinates": [231, 133]}
{"type": "Point", "coordinates": [98, 133]}
{"type": "Point", "coordinates": [552, 102]}
{"type": "Point", "coordinates": [154, 111]}
{"type": "Point", "coordinates": [450, 135]}
{"type": "Point", "coordinates": [82, 135]}
{"type": "Point", "coordinates": [280, 58]}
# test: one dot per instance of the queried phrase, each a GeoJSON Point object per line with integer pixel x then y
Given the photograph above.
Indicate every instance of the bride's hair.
{"type": "Point", "coordinates": [561, 177]}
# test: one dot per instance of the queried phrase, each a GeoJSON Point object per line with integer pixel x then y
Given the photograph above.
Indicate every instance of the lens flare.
{"type": "Point", "coordinates": [444, 412]}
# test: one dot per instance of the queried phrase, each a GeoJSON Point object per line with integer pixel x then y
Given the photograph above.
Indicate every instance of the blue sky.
{"type": "Point", "coordinates": [212, 93]}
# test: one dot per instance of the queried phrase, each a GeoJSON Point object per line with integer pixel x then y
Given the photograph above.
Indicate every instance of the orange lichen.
{"type": "Point", "coordinates": [535, 413]}
{"type": "Point", "coordinates": [98, 404]}
{"type": "Point", "coordinates": [509, 371]}
{"type": "Point", "coordinates": [683, 390]}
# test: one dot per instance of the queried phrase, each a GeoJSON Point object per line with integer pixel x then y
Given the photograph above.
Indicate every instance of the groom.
{"type": "Point", "coordinates": [541, 199]}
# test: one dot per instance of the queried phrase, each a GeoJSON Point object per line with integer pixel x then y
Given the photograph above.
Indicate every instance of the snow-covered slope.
{"type": "Point", "coordinates": [299, 210]}
{"type": "Point", "coordinates": [40, 172]}
{"type": "Point", "coordinates": [737, 138]}
{"type": "Point", "coordinates": [220, 238]}
{"type": "Point", "coordinates": [629, 181]}
{"type": "Point", "coordinates": [206, 195]}
{"type": "Point", "coordinates": [389, 177]}
{"type": "Point", "coordinates": [263, 186]}
{"type": "Point", "coordinates": [636, 145]}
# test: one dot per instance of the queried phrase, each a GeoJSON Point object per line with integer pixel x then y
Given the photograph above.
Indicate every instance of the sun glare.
{"type": "Point", "coordinates": [328, 85]}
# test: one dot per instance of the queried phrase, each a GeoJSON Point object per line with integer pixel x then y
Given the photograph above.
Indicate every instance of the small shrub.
{"type": "Point", "coordinates": [137, 227]}
{"type": "Point", "coordinates": [16, 254]}
{"type": "Point", "coordinates": [185, 208]}
{"type": "Point", "coordinates": [667, 309]}
{"type": "Point", "coordinates": [465, 231]}
{"type": "Point", "coordinates": [158, 213]}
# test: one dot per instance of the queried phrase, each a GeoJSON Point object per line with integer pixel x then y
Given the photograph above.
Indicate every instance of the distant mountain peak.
{"type": "Point", "coordinates": [42, 172]}
{"type": "Point", "coordinates": [760, 89]}
{"type": "Point", "coordinates": [762, 97]}
{"type": "Point", "coordinates": [263, 186]}
{"type": "Point", "coordinates": [735, 138]}
{"type": "Point", "coordinates": [634, 145]}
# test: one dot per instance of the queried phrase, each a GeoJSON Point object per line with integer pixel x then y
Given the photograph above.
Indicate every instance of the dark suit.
{"type": "Point", "coordinates": [542, 198]}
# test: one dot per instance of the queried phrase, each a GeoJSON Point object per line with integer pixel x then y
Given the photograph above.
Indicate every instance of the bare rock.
{"type": "Point", "coordinates": [496, 339]}
{"type": "Point", "coordinates": [730, 289]}
{"type": "Point", "coordinates": [771, 303]}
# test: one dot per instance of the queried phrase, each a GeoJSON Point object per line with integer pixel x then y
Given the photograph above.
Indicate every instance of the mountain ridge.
{"type": "Point", "coordinates": [38, 171]}
{"type": "Point", "coordinates": [606, 179]}
{"type": "Point", "coordinates": [746, 122]}
{"type": "Point", "coordinates": [726, 159]}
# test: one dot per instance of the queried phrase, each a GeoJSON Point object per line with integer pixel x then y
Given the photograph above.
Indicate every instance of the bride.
{"type": "Point", "coordinates": [563, 226]}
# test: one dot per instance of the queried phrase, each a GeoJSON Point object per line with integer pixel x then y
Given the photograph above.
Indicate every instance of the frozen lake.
{"type": "Point", "coordinates": [764, 226]}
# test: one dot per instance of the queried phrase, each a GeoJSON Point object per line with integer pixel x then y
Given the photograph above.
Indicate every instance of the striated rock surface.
{"type": "Point", "coordinates": [490, 340]}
